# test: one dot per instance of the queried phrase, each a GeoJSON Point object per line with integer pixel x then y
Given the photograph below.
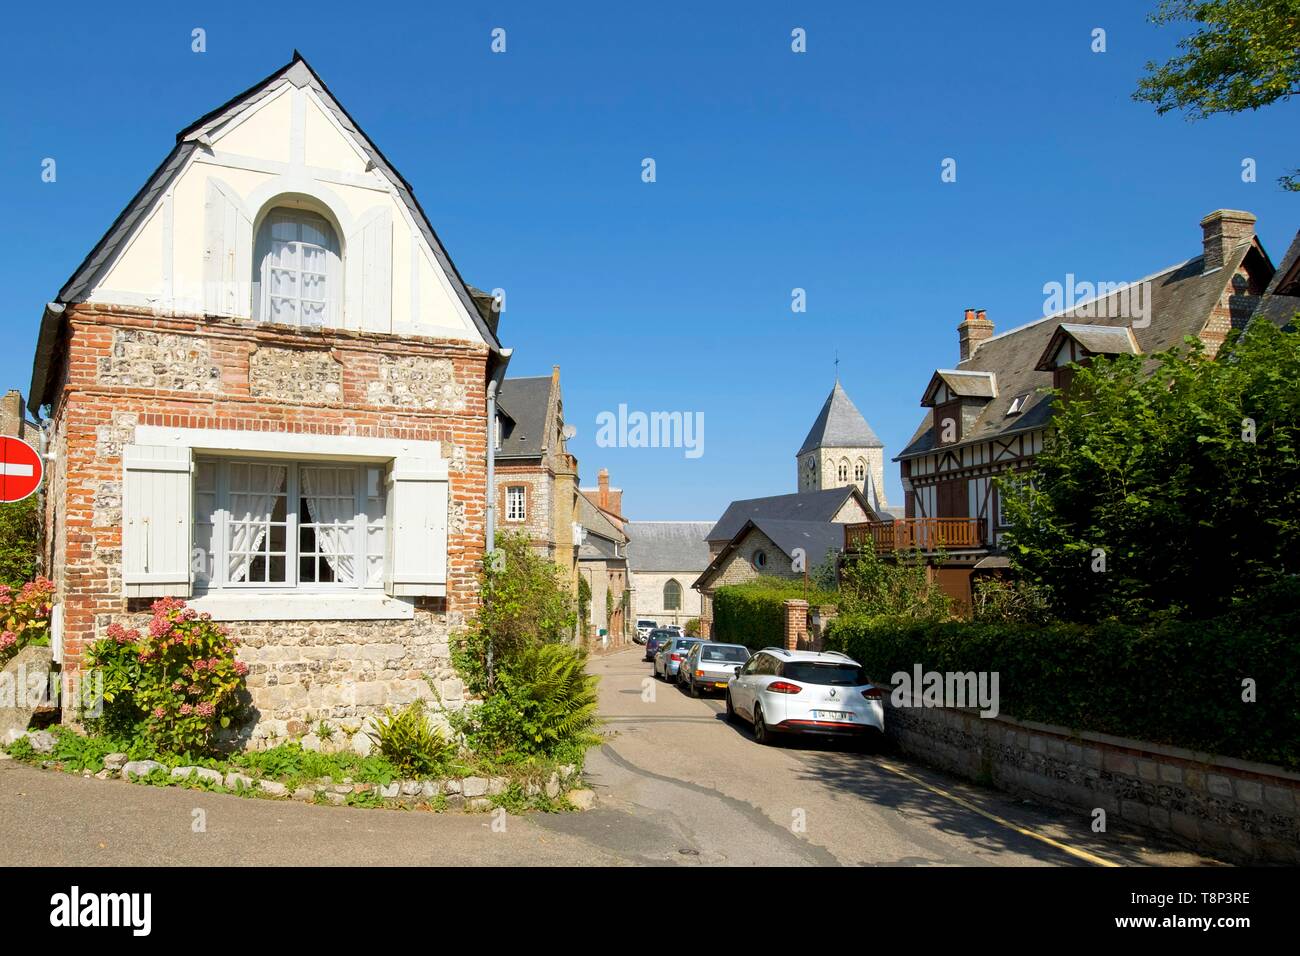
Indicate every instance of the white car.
{"type": "Point", "coordinates": [676, 629]}
{"type": "Point", "coordinates": [643, 629]}
{"type": "Point", "coordinates": [810, 692]}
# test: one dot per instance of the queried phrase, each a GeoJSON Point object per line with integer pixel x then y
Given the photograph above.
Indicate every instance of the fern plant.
{"type": "Point", "coordinates": [555, 697]}
{"type": "Point", "coordinates": [411, 743]}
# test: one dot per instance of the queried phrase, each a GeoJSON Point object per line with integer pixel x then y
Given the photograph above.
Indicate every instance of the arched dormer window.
{"type": "Point", "coordinates": [672, 596]}
{"type": "Point", "coordinates": [297, 274]}
{"type": "Point", "coordinates": [860, 471]}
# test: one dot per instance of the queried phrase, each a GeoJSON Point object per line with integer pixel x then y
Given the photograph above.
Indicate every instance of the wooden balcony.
{"type": "Point", "coordinates": [915, 534]}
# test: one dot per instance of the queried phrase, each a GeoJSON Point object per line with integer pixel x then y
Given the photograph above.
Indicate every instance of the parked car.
{"type": "Point", "coordinates": [657, 638]}
{"type": "Point", "coordinates": [710, 666]}
{"type": "Point", "coordinates": [676, 629]}
{"type": "Point", "coordinates": [671, 653]}
{"type": "Point", "coordinates": [812, 692]}
{"type": "Point", "coordinates": [643, 629]}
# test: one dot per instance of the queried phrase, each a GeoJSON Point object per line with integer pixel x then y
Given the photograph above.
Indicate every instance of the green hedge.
{"type": "Point", "coordinates": [752, 613]}
{"type": "Point", "coordinates": [1174, 682]}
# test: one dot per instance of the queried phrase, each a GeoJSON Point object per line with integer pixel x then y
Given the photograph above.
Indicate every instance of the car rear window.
{"type": "Point", "coordinates": [683, 644]}
{"type": "Point", "coordinates": [731, 655]}
{"type": "Point", "coordinates": [813, 672]}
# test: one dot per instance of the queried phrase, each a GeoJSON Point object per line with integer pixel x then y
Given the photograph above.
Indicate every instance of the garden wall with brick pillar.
{"type": "Point", "coordinates": [796, 624]}
{"type": "Point", "coordinates": [124, 368]}
{"type": "Point", "coordinates": [1232, 808]}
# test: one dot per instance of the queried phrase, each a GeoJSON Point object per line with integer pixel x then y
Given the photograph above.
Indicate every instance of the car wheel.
{"type": "Point", "coordinates": [761, 734]}
{"type": "Point", "coordinates": [731, 711]}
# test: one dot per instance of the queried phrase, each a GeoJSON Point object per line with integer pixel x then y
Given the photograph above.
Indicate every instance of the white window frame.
{"type": "Point", "coordinates": [331, 277]}
{"type": "Point", "coordinates": [362, 524]}
{"type": "Point", "coordinates": [522, 513]}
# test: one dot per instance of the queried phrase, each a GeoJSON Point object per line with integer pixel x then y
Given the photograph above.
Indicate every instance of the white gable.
{"type": "Point", "coordinates": [195, 248]}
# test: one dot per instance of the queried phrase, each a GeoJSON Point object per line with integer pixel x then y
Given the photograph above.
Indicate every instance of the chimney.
{"type": "Point", "coordinates": [11, 414]}
{"type": "Point", "coordinates": [602, 480]}
{"type": "Point", "coordinates": [974, 329]}
{"type": "Point", "coordinates": [1221, 232]}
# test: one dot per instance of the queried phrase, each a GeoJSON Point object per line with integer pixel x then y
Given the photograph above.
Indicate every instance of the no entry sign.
{"type": "Point", "coordinates": [20, 469]}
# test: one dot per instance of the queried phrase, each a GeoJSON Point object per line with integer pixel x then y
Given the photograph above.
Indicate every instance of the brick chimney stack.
{"type": "Point", "coordinates": [1221, 232]}
{"type": "Point", "coordinates": [602, 498]}
{"type": "Point", "coordinates": [974, 329]}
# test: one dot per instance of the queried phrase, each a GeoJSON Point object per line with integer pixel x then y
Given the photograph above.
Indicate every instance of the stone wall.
{"type": "Point", "coordinates": [1230, 808]}
{"type": "Point", "coordinates": [648, 595]}
{"type": "Point", "coordinates": [124, 369]}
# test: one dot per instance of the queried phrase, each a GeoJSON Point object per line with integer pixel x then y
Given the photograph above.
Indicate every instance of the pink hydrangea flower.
{"type": "Point", "coordinates": [159, 712]}
{"type": "Point", "coordinates": [205, 709]}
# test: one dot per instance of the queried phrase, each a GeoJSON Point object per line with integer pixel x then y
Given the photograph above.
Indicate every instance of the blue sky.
{"type": "Point", "coordinates": [774, 170]}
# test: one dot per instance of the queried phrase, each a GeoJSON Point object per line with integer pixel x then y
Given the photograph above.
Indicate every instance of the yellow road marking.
{"type": "Point", "coordinates": [1073, 851]}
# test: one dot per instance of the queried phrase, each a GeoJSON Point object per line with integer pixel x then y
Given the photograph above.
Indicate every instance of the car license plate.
{"type": "Point", "coordinates": [832, 715]}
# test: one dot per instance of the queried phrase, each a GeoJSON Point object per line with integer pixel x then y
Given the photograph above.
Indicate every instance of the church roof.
{"type": "Point", "coordinates": [803, 506]}
{"type": "Point", "coordinates": [840, 425]}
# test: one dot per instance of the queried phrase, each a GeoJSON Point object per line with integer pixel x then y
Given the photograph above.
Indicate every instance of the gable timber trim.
{"type": "Point", "coordinates": [191, 145]}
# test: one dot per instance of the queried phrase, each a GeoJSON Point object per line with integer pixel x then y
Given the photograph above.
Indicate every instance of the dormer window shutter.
{"type": "Point", "coordinates": [417, 528]}
{"type": "Point", "coordinates": [368, 263]}
{"type": "Point", "coordinates": [227, 253]}
{"type": "Point", "coordinates": [156, 521]}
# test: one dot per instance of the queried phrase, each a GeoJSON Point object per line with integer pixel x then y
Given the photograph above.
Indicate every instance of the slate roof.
{"type": "Point", "coordinates": [840, 425]}
{"type": "Point", "coordinates": [298, 72]}
{"type": "Point", "coordinates": [667, 545]}
{"type": "Point", "coordinates": [964, 383]}
{"type": "Point", "coordinates": [522, 403]}
{"type": "Point", "coordinates": [802, 506]}
{"type": "Point", "coordinates": [1282, 297]}
{"type": "Point", "coordinates": [1182, 297]}
{"type": "Point", "coordinates": [602, 537]}
{"type": "Point", "coordinates": [816, 538]}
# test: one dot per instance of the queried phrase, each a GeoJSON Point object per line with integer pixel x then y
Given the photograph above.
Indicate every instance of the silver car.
{"type": "Point", "coordinates": [710, 666]}
{"type": "Point", "coordinates": [669, 657]}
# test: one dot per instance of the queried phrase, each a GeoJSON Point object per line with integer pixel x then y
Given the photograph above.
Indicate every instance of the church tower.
{"type": "Point", "coordinates": [841, 449]}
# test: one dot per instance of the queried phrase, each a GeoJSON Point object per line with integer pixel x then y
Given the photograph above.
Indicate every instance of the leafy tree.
{"type": "Point", "coordinates": [20, 534]}
{"type": "Point", "coordinates": [1245, 55]}
{"type": "Point", "coordinates": [1166, 491]}
{"type": "Point", "coordinates": [524, 605]}
{"type": "Point", "coordinates": [901, 587]}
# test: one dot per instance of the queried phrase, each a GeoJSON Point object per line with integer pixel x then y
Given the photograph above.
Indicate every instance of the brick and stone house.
{"type": "Point", "coordinates": [266, 391]}
{"type": "Point", "coordinates": [665, 558]}
{"type": "Point", "coordinates": [536, 479]}
{"type": "Point", "coordinates": [14, 421]}
{"type": "Point", "coordinates": [988, 414]}
{"type": "Point", "coordinates": [602, 563]}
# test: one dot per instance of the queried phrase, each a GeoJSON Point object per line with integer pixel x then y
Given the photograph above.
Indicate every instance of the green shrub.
{"type": "Point", "coordinates": [546, 703]}
{"type": "Point", "coordinates": [171, 688]}
{"type": "Point", "coordinates": [291, 763]}
{"type": "Point", "coordinates": [1166, 681]}
{"type": "Point", "coordinates": [20, 541]}
{"type": "Point", "coordinates": [525, 603]}
{"type": "Point", "coordinates": [753, 614]}
{"type": "Point", "coordinates": [999, 601]}
{"type": "Point", "coordinates": [692, 627]}
{"type": "Point", "coordinates": [411, 743]}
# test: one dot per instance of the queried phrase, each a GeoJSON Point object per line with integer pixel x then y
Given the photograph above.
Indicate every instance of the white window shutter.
{"type": "Point", "coordinates": [368, 262]}
{"type": "Point", "coordinates": [156, 521]}
{"type": "Point", "coordinates": [227, 252]}
{"type": "Point", "coordinates": [417, 528]}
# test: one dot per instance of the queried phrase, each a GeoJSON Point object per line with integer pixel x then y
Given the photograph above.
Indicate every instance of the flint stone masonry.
{"type": "Point", "coordinates": [143, 359]}
{"type": "Point", "coordinates": [295, 375]}
{"type": "Point", "coordinates": [417, 381]}
{"type": "Point", "coordinates": [28, 670]}
{"type": "Point", "coordinates": [1244, 811]}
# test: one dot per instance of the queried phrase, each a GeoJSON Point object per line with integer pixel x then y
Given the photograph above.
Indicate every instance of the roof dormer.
{"type": "Point", "coordinates": [957, 398]}
{"type": "Point", "coordinates": [1077, 344]}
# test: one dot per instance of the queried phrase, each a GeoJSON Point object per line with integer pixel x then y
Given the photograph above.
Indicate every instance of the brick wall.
{"type": "Point", "coordinates": [125, 368]}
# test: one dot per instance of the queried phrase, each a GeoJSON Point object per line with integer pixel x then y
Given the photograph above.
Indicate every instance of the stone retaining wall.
{"type": "Point", "coordinates": [1236, 809]}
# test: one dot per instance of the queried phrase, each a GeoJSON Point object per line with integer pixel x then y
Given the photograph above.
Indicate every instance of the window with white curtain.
{"type": "Point", "coordinates": [296, 270]}
{"type": "Point", "coordinates": [275, 524]}
{"type": "Point", "coordinates": [515, 503]}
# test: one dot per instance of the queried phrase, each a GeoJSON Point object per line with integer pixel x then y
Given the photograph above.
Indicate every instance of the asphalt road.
{"type": "Point", "coordinates": [676, 784]}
